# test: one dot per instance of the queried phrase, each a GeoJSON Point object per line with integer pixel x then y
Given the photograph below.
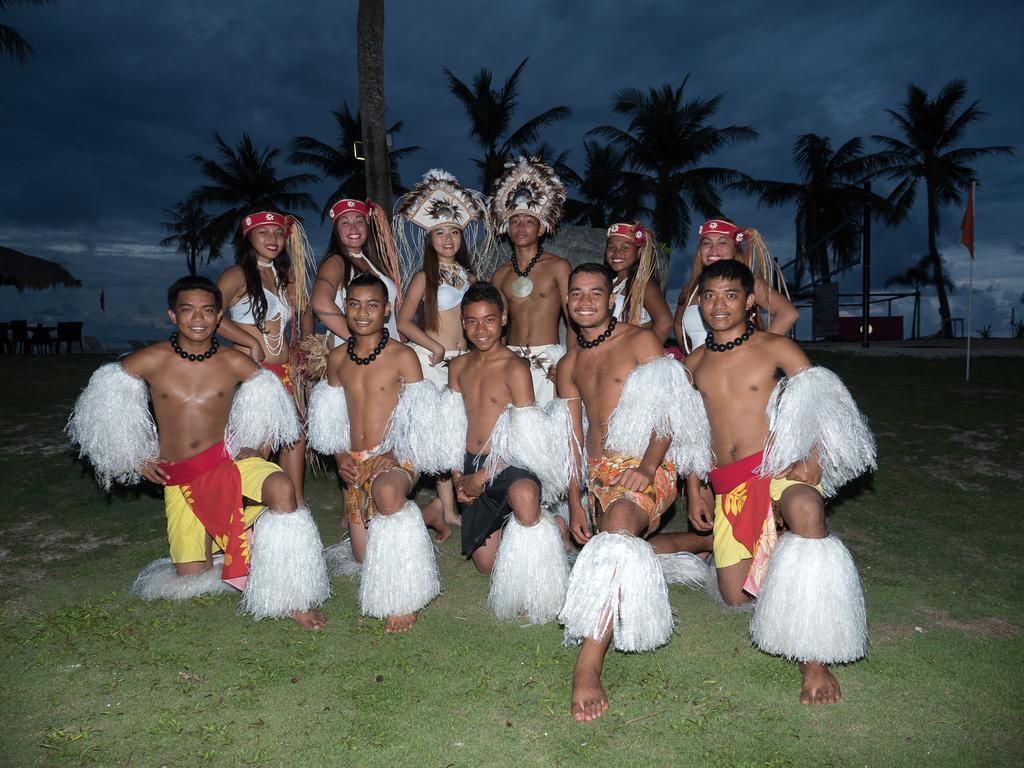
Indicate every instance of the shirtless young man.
{"type": "Point", "coordinates": [773, 440]}
{"type": "Point", "coordinates": [366, 413]}
{"type": "Point", "coordinates": [527, 206]}
{"type": "Point", "coordinates": [506, 444]}
{"type": "Point", "coordinates": [217, 415]}
{"type": "Point", "coordinates": [646, 423]}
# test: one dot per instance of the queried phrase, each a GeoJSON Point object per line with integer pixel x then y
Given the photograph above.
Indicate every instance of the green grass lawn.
{"type": "Point", "coordinates": [93, 676]}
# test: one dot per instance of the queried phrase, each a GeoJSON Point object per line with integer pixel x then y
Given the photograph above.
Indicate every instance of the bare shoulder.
{"type": "Point", "coordinates": [240, 364]}
{"type": "Point", "coordinates": [692, 360]}
{"type": "Point", "coordinates": [556, 262]}
{"type": "Point", "coordinates": [145, 362]}
{"type": "Point", "coordinates": [643, 341]}
{"type": "Point", "coordinates": [503, 269]}
{"type": "Point", "coordinates": [457, 364]}
{"type": "Point", "coordinates": [335, 358]}
{"type": "Point", "coordinates": [330, 268]}
{"type": "Point", "coordinates": [516, 367]}
{"type": "Point", "coordinates": [233, 273]}
{"type": "Point", "coordinates": [786, 353]}
{"type": "Point", "coordinates": [406, 362]}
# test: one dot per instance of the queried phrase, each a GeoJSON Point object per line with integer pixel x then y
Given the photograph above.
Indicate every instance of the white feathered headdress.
{"type": "Point", "coordinates": [440, 200]}
{"type": "Point", "coordinates": [528, 186]}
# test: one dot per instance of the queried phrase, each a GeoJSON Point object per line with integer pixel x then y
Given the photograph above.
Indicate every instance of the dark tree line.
{"type": "Point", "coordinates": [657, 166]}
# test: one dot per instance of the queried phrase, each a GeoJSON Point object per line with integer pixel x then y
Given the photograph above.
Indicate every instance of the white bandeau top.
{"type": "Point", "coordinates": [278, 308]}
{"type": "Point", "coordinates": [620, 305]}
{"type": "Point", "coordinates": [693, 326]}
{"type": "Point", "coordinates": [448, 296]}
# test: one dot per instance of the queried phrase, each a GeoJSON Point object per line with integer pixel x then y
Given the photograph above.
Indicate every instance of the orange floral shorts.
{"type": "Point", "coordinates": [653, 500]}
{"type": "Point", "coordinates": [358, 500]}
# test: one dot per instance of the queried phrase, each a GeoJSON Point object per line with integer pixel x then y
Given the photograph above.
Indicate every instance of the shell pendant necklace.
{"type": "Point", "coordinates": [522, 286]}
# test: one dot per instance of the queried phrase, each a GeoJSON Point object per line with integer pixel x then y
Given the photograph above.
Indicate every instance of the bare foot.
{"type": "Point", "coordinates": [453, 518]}
{"type": "Point", "coordinates": [820, 685]}
{"type": "Point", "coordinates": [313, 619]}
{"type": "Point", "coordinates": [433, 516]}
{"type": "Point", "coordinates": [397, 624]}
{"type": "Point", "coordinates": [589, 700]}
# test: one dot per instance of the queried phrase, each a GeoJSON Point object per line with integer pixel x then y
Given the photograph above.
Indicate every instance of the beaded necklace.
{"type": "Point", "coordinates": [214, 346]}
{"type": "Point", "coordinates": [709, 342]}
{"type": "Point", "coordinates": [603, 337]}
{"type": "Point", "coordinates": [350, 346]}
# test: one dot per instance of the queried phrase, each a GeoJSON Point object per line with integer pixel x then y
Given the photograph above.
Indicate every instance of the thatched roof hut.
{"type": "Point", "coordinates": [24, 271]}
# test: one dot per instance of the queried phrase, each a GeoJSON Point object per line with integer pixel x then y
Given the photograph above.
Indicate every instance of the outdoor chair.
{"type": "Point", "coordinates": [19, 337]}
{"type": "Point", "coordinates": [40, 339]}
{"type": "Point", "coordinates": [69, 333]}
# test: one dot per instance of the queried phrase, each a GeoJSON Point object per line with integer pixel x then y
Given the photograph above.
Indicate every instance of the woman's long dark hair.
{"type": "Point", "coordinates": [335, 248]}
{"type": "Point", "coordinates": [432, 273]}
{"type": "Point", "coordinates": [245, 257]}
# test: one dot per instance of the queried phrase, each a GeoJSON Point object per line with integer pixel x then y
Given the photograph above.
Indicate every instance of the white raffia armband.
{"type": "Point", "coordinates": [813, 415]}
{"type": "Point", "coordinates": [112, 425]}
{"type": "Point", "coordinates": [657, 398]}
{"type": "Point", "coordinates": [413, 432]}
{"type": "Point", "coordinates": [452, 427]}
{"type": "Point", "coordinates": [565, 448]}
{"type": "Point", "coordinates": [327, 425]}
{"type": "Point", "coordinates": [263, 413]}
{"type": "Point", "coordinates": [523, 437]}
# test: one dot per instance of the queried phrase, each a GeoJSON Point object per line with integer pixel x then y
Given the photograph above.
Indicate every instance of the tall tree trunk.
{"type": "Point", "coordinates": [370, 59]}
{"type": "Point", "coordinates": [938, 276]}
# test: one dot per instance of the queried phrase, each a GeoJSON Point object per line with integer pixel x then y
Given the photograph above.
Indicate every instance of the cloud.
{"type": "Point", "coordinates": [99, 125]}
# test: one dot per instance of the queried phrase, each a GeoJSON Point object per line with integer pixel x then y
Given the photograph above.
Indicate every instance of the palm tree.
{"type": "Point", "coordinates": [244, 179]}
{"type": "Point", "coordinates": [490, 115]}
{"type": "Point", "coordinates": [370, 64]}
{"type": "Point", "coordinates": [608, 191]}
{"type": "Point", "coordinates": [187, 232]}
{"type": "Point", "coordinates": [930, 130]}
{"type": "Point", "coordinates": [829, 201]}
{"type": "Point", "coordinates": [11, 42]}
{"type": "Point", "coordinates": [338, 161]}
{"type": "Point", "coordinates": [917, 277]}
{"type": "Point", "coordinates": [666, 140]}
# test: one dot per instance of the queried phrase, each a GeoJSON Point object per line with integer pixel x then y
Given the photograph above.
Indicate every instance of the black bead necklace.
{"type": "Point", "coordinates": [351, 348]}
{"type": "Point", "coordinates": [713, 347]}
{"type": "Point", "coordinates": [214, 346]}
{"type": "Point", "coordinates": [603, 337]}
{"type": "Point", "coordinates": [533, 262]}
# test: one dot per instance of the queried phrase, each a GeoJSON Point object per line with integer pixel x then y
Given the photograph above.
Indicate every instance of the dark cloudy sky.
{"type": "Point", "coordinates": [97, 127]}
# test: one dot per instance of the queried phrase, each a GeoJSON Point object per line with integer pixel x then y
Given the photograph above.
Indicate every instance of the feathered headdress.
{"type": "Point", "coordinates": [439, 200]}
{"type": "Point", "coordinates": [528, 186]}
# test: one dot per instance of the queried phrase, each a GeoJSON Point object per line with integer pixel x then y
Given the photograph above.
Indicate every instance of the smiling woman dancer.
{"type": "Point", "coordinates": [264, 292]}
{"type": "Point", "coordinates": [360, 242]}
{"type": "Point", "coordinates": [719, 240]}
{"type": "Point", "coordinates": [436, 223]}
{"type": "Point", "coordinates": [638, 299]}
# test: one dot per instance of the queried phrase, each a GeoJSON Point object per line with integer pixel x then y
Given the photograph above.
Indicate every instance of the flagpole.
{"type": "Point", "coordinates": [970, 288]}
{"type": "Point", "coordinates": [970, 301]}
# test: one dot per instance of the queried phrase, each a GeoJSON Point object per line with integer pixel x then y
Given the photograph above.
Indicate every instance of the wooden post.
{"type": "Point", "coordinates": [866, 268]}
{"type": "Point", "coordinates": [370, 60]}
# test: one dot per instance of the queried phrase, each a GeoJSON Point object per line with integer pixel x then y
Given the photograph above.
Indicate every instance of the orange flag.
{"type": "Point", "coordinates": [967, 227]}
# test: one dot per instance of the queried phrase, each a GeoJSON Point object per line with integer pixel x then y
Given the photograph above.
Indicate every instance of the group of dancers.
{"type": "Point", "coordinates": [543, 453]}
